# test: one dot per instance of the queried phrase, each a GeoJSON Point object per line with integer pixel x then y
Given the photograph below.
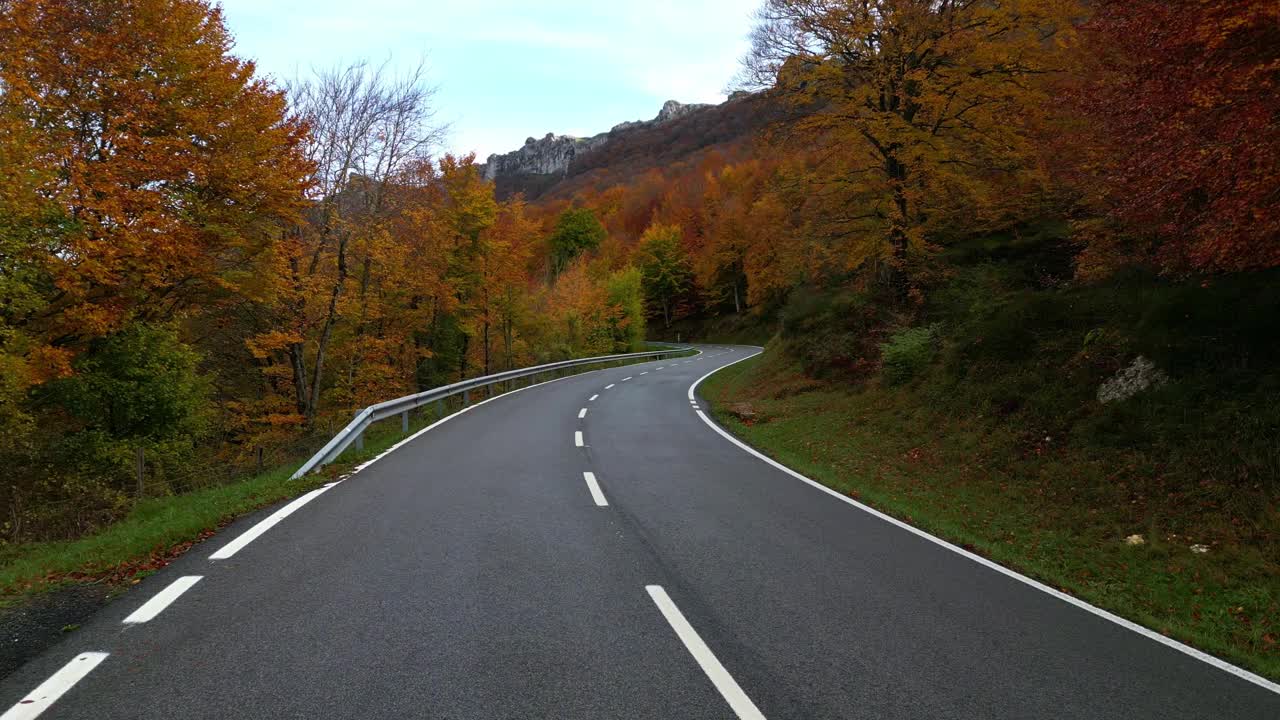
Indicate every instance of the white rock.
{"type": "Point", "coordinates": [1199, 549]}
{"type": "Point", "coordinates": [552, 154]}
{"type": "Point", "coordinates": [1138, 376]}
{"type": "Point", "coordinates": [1134, 540]}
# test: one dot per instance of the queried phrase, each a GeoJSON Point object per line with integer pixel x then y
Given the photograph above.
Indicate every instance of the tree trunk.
{"type": "Point", "coordinates": [322, 346]}
{"type": "Point", "coordinates": [898, 239]}
{"type": "Point", "coordinates": [506, 341]}
{"type": "Point", "coordinates": [485, 332]}
{"type": "Point", "coordinates": [462, 357]}
{"type": "Point", "coordinates": [298, 360]}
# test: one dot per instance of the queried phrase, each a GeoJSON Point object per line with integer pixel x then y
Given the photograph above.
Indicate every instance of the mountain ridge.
{"type": "Point", "coordinates": [553, 153]}
{"type": "Point", "coordinates": [550, 164]}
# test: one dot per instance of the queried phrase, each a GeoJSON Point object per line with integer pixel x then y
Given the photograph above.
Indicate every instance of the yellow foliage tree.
{"type": "Point", "coordinates": [917, 108]}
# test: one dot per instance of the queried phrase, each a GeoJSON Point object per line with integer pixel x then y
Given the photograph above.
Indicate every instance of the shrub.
{"type": "Point", "coordinates": [831, 330]}
{"type": "Point", "coordinates": [139, 389]}
{"type": "Point", "coordinates": [908, 352]}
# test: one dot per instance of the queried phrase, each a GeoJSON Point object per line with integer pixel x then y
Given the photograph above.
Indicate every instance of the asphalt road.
{"type": "Point", "coordinates": [472, 573]}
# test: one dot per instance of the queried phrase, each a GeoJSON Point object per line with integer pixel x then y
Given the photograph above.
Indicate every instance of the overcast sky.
{"type": "Point", "coordinates": [509, 69]}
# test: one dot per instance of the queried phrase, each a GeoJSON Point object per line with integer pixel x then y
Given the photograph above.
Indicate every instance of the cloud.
{"type": "Point", "coordinates": [542, 37]}
{"type": "Point", "coordinates": [508, 69]}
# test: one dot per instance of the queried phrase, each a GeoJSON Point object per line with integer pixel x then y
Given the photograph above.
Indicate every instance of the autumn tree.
{"type": "Point", "coordinates": [913, 104]}
{"type": "Point", "coordinates": [369, 131]}
{"type": "Point", "coordinates": [575, 308]}
{"type": "Point", "coordinates": [508, 245]}
{"type": "Point", "coordinates": [147, 179]}
{"type": "Point", "coordinates": [624, 291]}
{"type": "Point", "coordinates": [727, 203]}
{"type": "Point", "coordinates": [1179, 143]}
{"type": "Point", "coordinates": [664, 265]}
{"type": "Point", "coordinates": [157, 167]}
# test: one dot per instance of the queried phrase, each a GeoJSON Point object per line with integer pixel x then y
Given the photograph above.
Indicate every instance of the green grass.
{"type": "Point", "coordinates": [159, 528]}
{"type": "Point", "coordinates": [153, 528]}
{"type": "Point", "coordinates": [1055, 508]}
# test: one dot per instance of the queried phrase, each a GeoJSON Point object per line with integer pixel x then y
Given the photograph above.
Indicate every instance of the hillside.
{"type": "Point", "coordinates": [557, 166]}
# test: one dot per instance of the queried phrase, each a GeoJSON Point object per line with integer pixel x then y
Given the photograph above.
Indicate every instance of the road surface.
{"type": "Point", "coordinates": [594, 548]}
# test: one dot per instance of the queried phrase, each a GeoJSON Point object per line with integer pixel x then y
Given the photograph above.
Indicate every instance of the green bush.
{"type": "Point", "coordinates": [139, 389]}
{"type": "Point", "coordinates": [577, 231]}
{"type": "Point", "coordinates": [832, 331]}
{"type": "Point", "coordinates": [140, 383]}
{"type": "Point", "coordinates": [908, 352]}
{"type": "Point", "coordinates": [626, 296]}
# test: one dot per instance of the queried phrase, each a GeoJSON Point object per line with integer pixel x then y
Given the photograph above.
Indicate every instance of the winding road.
{"type": "Point", "coordinates": [595, 547]}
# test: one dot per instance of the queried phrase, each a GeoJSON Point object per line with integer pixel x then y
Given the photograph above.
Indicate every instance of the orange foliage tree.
{"type": "Point", "coordinates": [164, 167]}
{"type": "Point", "coordinates": [916, 108]}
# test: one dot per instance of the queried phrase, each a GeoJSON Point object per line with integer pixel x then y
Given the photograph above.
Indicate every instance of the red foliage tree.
{"type": "Point", "coordinates": [1186, 98]}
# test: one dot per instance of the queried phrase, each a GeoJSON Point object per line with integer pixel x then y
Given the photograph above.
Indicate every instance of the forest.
{"type": "Point", "coordinates": [990, 207]}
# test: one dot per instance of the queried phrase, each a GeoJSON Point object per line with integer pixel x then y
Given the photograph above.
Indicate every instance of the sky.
{"type": "Point", "coordinates": [506, 69]}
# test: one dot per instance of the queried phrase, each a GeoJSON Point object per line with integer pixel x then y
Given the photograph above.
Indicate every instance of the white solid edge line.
{"type": "Point", "coordinates": [1104, 614]}
{"type": "Point", "coordinates": [252, 533]}
{"type": "Point", "coordinates": [594, 487]}
{"type": "Point", "coordinates": [724, 682]}
{"type": "Point", "coordinates": [48, 692]}
{"type": "Point", "coordinates": [577, 438]}
{"type": "Point", "coordinates": [163, 599]}
{"type": "Point", "coordinates": [593, 398]}
{"type": "Point", "coordinates": [582, 413]}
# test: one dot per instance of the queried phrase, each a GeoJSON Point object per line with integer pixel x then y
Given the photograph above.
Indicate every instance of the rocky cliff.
{"type": "Point", "coordinates": [553, 154]}
{"type": "Point", "coordinates": [550, 155]}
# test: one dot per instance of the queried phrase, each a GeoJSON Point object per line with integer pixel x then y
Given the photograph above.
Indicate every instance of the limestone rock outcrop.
{"type": "Point", "coordinates": [552, 154]}
{"type": "Point", "coordinates": [549, 155]}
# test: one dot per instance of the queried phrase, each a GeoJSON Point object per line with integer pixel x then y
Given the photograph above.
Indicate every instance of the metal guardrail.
{"type": "Point", "coordinates": [353, 433]}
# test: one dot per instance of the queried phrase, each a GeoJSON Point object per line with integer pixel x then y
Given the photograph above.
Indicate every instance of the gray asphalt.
{"type": "Point", "coordinates": [470, 575]}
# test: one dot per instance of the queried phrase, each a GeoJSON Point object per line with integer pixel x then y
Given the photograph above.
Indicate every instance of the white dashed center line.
{"type": "Point", "coordinates": [594, 487]}
{"type": "Point", "coordinates": [606, 387]}
{"type": "Point", "coordinates": [48, 692]}
{"type": "Point", "coordinates": [625, 379]}
{"type": "Point", "coordinates": [724, 682]}
{"type": "Point", "coordinates": [577, 438]}
{"type": "Point", "coordinates": [593, 398]}
{"type": "Point", "coordinates": [582, 413]}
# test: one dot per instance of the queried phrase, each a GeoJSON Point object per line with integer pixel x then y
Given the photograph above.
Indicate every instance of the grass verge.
{"type": "Point", "coordinates": [1053, 510]}
{"type": "Point", "coordinates": [159, 529]}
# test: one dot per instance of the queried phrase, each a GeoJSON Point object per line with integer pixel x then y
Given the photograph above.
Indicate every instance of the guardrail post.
{"type": "Point", "coordinates": [440, 408]}
{"type": "Point", "coordinates": [404, 422]}
{"type": "Point", "coordinates": [466, 398]}
{"type": "Point", "coordinates": [360, 441]}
